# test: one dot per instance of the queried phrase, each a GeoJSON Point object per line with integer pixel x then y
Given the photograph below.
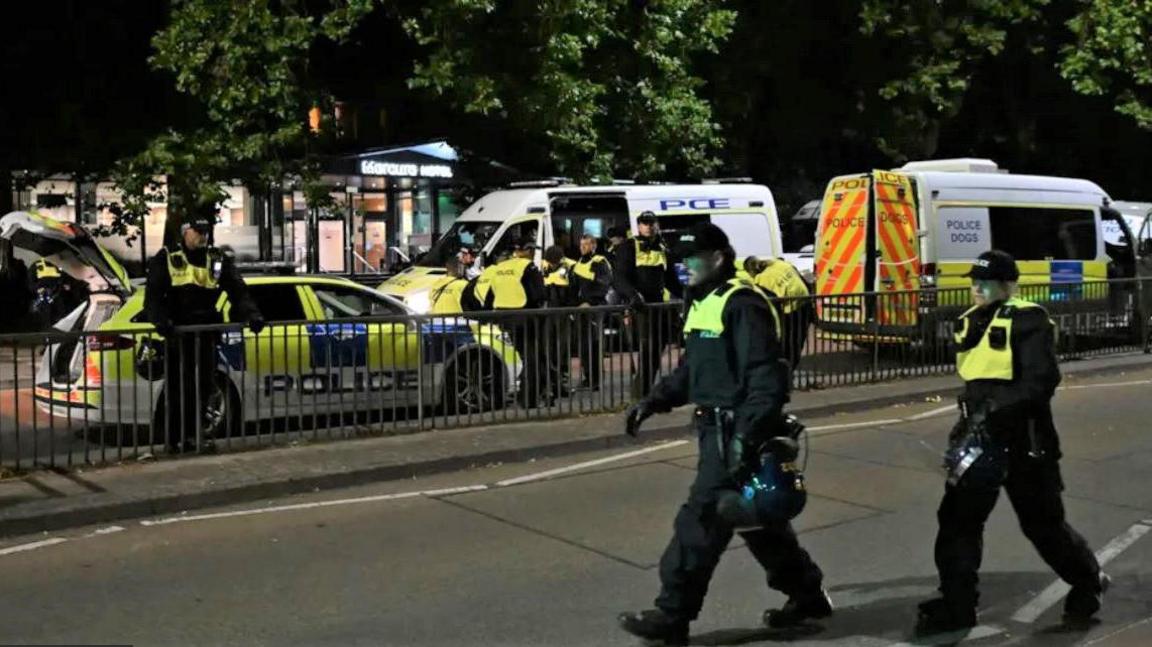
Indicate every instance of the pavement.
{"type": "Point", "coordinates": [49, 500]}
{"type": "Point", "coordinates": [548, 551]}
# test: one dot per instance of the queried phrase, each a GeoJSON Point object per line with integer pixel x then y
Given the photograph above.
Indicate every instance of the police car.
{"type": "Point", "coordinates": [331, 346]}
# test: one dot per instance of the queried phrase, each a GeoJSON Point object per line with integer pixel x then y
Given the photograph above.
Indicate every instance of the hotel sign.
{"type": "Point", "coordinates": [405, 169]}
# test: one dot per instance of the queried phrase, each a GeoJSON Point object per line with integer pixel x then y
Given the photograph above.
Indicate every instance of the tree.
{"type": "Point", "coordinates": [933, 49]}
{"type": "Point", "coordinates": [608, 84]}
{"type": "Point", "coordinates": [246, 65]}
{"type": "Point", "coordinates": [1111, 55]}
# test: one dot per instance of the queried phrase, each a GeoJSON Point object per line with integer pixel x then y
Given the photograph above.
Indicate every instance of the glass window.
{"type": "Point", "coordinates": [526, 230]}
{"type": "Point", "coordinates": [342, 302]}
{"type": "Point", "coordinates": [278, 302]}
{"type": "Point", "coordinates": [1036, 234]}
{"type": "Point", "coordinates": [474, 234]}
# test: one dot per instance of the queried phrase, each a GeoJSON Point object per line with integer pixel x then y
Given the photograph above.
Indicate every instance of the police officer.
{"type": "Point", "coordinates": [184, 285]}
{"type": "Point", "coordinates": [617, 236]}
{"type": "Point", "coordinates": [1006, 357]}
{"type": "Point", "coordinates": [54, 291]}
{"type": "Point", "coordinates": [558, 289]}
{"type": "Point", "coordinates": [732, 371]}
{"type": "Point", "coordinates": [516, 284]}
{"type": "Point", "coordinates": [780, 279]}
{"type": "Point", "coordinates": [592, 279]}
{"type": "Point", "coordinates": [467, 258]}
{"type": "Point", "coordinates": [448, 290]}
{"type": "Point", "coordinates": [475, 295]}
{"type": "Point", "coordinates": [557, 272]}
{"type": "Point", "coordinates": [643, 276]}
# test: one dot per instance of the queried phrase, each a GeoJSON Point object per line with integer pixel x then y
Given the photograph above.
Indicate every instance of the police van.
{"type": "Point", "coordinates": [921, 226]}
{"type": "Point", "coordinates": [551, 213]}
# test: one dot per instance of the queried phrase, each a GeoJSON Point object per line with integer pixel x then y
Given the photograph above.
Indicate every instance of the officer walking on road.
{"type": "Point", "coordinates": [592, 280]}
{"type": "Point", "coordinates": [1005, 438]}
{"type": "Point", "coordinates": [516, 284]}
{"type": "Point", "coordinates": [732, 371]}
{"type": "Point", "coordinates": [644, 276]}
{"type": "Point", "coordinates": [184, 285]}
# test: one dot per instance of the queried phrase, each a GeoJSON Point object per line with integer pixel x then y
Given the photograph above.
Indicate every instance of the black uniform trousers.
{"type": "Point", "coordinates": [701, 536]}
{"type": "Point", "coordinates": [590, 329]}
{"type": "Point", "coordinates": [526, 336]}
{"type": "Point", "coordinates": [794, 328]}
{"type": "Point", "coordinates": [652, 332]}
{"type": "Point", "coordinates": [189, 384]}
{"type": "Point", "coordinates": [1034, 487]}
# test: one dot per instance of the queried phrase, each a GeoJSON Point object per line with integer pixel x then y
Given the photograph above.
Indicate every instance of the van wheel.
{"type": "Point", "coordinates": [473, 383]}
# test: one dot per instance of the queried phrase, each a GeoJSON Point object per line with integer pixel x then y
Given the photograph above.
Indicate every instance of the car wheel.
{"type": "Point", "coordinates": [473, 383]}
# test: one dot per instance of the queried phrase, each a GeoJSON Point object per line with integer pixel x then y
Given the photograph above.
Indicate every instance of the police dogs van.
{"type": "Point", "coordinates": [921, 226]}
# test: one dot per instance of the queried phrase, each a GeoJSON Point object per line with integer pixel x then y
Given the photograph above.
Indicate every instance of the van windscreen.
{"type": "Point", "coordinates": [473, 234]}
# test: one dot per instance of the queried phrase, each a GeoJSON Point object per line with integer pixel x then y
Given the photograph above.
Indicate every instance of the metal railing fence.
{"type": "Point", "coordinates": [106, 396]}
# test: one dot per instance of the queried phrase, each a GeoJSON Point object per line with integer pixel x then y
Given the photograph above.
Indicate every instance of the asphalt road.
{"type": "Point", "coordinates": [550, 560]}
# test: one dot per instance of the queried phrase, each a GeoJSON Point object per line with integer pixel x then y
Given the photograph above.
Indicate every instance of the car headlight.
{"type": "Point", "coordinates": [420, 302]}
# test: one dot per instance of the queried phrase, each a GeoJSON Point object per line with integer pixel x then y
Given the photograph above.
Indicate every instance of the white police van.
{"type": "Point", "coordinates": [551, 213]}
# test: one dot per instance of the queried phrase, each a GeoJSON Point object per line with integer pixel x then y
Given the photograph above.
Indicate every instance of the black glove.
{"type": "Point", "coordinates": [637, 414]}
{"type": "Point", "coordinates": [256, 324]}
{"type": "Point", "coordinates": [165, 328]}
{"type": "Point", "coordinates": [742, 457]}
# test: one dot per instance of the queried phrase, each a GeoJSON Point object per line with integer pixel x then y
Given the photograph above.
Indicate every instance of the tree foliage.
{"type": "Point", "coordinates": [609, 84]}
{"type": "Point", "coordinates": [246, 65]}
{"type": "Point", "coordinates": [1112, 55]}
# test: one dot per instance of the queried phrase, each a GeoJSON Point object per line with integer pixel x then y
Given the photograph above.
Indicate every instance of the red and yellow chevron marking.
{"type": "Point", "coordinates": [840, 254]}
{"type": "Point", "coordinates": [898, 243]}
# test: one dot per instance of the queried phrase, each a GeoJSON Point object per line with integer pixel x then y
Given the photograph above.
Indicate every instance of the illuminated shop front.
{"type": "Point", "coordinates": [388, 206]}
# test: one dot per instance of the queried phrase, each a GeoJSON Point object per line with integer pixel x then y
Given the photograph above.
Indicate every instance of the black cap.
{"type": "Point", "coordinates": [994, 265]}
{"type": "Point", "coordinates": [647, 218]}
{"type": "Point", "coordinates": [616, 232]}
{"type": "Point", "coordinates": [202, 224]}
{"type": "Point", "coordinates": [705, 237]}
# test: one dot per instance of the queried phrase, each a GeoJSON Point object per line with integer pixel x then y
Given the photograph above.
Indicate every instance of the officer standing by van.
{"type": "Point", "coordinates": [559, 293]}
{"type": "Point", "coordinates": [1006, 438]}
{"type": "Point", "coordinates": [592, 280]}
{"type": "Point", "coordinates": [780, 279]}
{"type": "Point", "coordinates": [644, 276]}
{"type": "Point", "coordinates": [516, 284]}
{"type": "Point", "coordinates": [447, 291]}
{"type": "Point", "coordinates": [184, 285]}
{"type": "Point", "coordinates": [732, 370]}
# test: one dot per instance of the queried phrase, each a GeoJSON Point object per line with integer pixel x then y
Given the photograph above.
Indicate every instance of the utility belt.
{"type": "Point", "coordinates": [717, 417]}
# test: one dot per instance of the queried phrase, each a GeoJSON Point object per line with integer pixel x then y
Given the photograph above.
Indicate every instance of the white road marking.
{"type": "Point", "coordinates": [932, 414]}
{"type": "Point", "coordinates": [1104, 384]}
{"type": "Point", "coordinates": [1058, 589]}
{"type": "Point", "coordinates": [313, 504]}
{"type": "Point", "coordinates": [108, 530]}
{"type": "Point", "coordinates": [579, 466]}
{"type": "Point", "coordinates": [853, 425]}
{"type": "Point", "coordinates": [978, 632]}
{"type": "Point", "coordinates": [32, 546]}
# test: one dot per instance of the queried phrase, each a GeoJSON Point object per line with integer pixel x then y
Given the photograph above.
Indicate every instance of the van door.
{"type": "Point", "coordinates": [841, 250]}
{"type": "Point", "coordinates": [896, 248]}
{"type": "Point", "coordinates": [586, 214]}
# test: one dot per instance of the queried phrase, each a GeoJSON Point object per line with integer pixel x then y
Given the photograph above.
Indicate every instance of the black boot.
{"type": "Point", "coordinates": [655, 625]}
{"type": "Point", "coordinates": [1083, 602]}
{"type": "Point", "coordinates": [798, 609]}
{"type": "Point", "coordinates": [939, 616]}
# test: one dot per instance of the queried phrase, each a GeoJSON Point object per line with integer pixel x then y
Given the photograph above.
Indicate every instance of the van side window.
{"type": "Point", "coordinates": [575, 216]}
{"type": "Point", "coordinates": [1036, 234]}
{"type": "Point", "coordinates": [513, 233]}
